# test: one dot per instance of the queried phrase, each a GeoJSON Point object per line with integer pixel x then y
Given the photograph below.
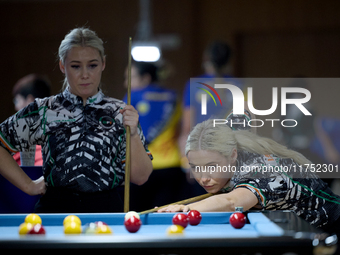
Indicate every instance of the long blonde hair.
{"type": "Point", "coordinates": [222, 139]}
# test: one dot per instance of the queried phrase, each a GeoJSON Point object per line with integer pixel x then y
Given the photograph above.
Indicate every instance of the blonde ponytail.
{"type": "Point", "coordinates": [223, 140]}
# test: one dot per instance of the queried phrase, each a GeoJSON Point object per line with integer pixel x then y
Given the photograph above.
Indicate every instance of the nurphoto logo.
{"type": "Point", "coordinates": [231, 97]}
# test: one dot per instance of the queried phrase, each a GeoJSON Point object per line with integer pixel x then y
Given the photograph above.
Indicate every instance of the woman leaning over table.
{"type": "Point", "coordinates": [250, 183]}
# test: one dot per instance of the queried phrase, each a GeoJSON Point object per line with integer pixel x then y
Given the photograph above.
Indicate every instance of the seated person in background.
{"type": "Point", "coordinates": [25, 91]}
{"type": "Point", "coordinates": [247, 184]}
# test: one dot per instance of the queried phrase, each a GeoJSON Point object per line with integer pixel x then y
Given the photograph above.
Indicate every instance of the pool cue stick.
{"type": "Point", "coordinates": [128, 142]}
{"type": "Point", "coordinates": [183, 202]}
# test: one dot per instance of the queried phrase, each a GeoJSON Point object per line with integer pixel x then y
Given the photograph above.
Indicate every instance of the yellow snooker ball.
{"type": "Point", "coordinates": [33, 219]}
{"type": "Point", "coordinates": [103, 229]}
{"type": "Point", "coordinates": [72, 218]}
{"type": "Point", "coordinates": [175, 230]}
{"type": "Point", "coordinates": [72, 228]}
{"type": "Point", "coordinates": [24, 228]}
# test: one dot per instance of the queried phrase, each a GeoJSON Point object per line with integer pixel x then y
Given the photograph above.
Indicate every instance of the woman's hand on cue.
{"type": "Point", "coordinates": [175, 208]}
{"type": "Point", "coordinates": [130, 118]}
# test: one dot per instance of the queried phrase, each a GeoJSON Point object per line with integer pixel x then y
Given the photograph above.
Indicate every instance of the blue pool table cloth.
{"type": "Point", "coordinates": [213, 225]}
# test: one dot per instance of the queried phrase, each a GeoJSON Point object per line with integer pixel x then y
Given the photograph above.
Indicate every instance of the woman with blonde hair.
{"type": "Point", "coordinates": [255, 173]}
{"type": "Point", "coordinates": [82, 134]}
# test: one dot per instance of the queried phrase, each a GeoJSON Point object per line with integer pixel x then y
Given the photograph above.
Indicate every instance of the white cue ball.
{"type": "Point", "coordinates": [130, 214]}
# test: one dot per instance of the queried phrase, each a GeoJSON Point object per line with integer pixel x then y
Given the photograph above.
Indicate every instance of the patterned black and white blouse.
{"type": "Point", "coordinates": [282, 184]}
{"type": "Point", "coordinates": [83, 147]}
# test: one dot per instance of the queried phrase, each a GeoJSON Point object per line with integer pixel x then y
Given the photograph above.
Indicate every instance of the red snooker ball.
{"type": "Point", "coordinates": [132, 224]}
{"type": "Point", "coordinates": [237, 220]}
{"type": "Point", "coordinates": [194, 217]}
{"type": "Point", "coordinates": [180, 219]}
{"type": "Point", "coordinates": [37, 229]}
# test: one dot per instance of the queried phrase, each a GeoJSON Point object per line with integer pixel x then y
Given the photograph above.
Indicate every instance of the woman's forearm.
{"type": "Point", "coordinates": [13, 173]}
{"type": "Point", "coordinates": [227, 202]}
{"type": "Point", "coordinates": [141, 166]}
{"type": "Point", "coordinates": [217, 203]}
